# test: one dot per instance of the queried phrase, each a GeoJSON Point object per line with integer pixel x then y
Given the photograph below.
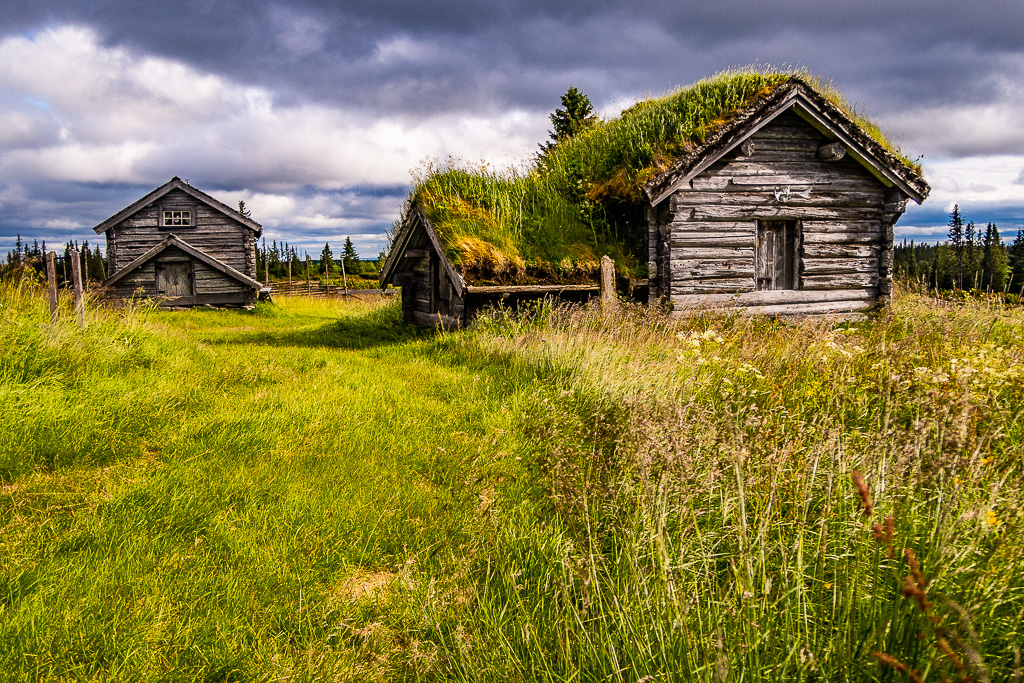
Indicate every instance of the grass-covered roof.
{"type": "Point", "coordinates": [554, 220]}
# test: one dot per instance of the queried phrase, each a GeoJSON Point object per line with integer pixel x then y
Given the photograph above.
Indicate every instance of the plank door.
{"type": "Point", "coordinates": [174, 278]}
{"type": "Point", "coordinates": [440, 287]}
{"type": "Point", "coordinates": [777, 245]}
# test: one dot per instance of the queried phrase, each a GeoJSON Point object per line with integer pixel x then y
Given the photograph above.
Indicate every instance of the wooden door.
{"type": "Point", "coordinates": [775, 263]}
{"type": "Point", "coordinates": [440, 289]}
{"type": "Point", "coordinates": [174, 278]}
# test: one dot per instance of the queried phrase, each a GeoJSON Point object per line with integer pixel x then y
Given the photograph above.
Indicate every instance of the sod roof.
{"type": "Point", "coordinates": [553, 221]}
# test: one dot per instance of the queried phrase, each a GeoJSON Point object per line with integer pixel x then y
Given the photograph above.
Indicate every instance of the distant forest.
{"type": "Point", "coordinates": [274, 258]}
{"type": "Point", "coordinates": [973, 258]}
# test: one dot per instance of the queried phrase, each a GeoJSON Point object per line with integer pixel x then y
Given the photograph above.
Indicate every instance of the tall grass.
{"type": "Point", "coordinates": [699, 519]}
{"type": "Point", "coordinates": [555, 218]}
{"type": "Point", "coordinates": [315, 491]}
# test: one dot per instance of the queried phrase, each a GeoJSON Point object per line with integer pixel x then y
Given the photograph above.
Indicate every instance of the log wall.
{"type": "Point", "coordinates": [702, 239]}
{"type": "Point", "coordinates": [428, 295]}
{"type": "Point", "coordinates": [209, 286]}
{"type": "Point", "coordinates": [211, 231]}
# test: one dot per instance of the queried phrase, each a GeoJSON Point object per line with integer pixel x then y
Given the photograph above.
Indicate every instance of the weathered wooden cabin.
{"type": "Point", "coordinates": [181, 247]}
{"type": "Point", "coordinates": [787, 208]}
{"type": "Point", "coordinates": [435, 292]}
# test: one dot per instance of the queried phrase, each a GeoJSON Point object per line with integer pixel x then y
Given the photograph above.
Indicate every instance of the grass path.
{"type": "Point", "coordinates": [291, 469]}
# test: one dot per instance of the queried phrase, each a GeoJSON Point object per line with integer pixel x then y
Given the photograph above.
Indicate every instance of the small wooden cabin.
{"type": "Point", "coordinates": [181, 247]}
{"type": "Point", "coordinates": [434, 292]}
{"type": "Point", "coordinates": [788, 208]}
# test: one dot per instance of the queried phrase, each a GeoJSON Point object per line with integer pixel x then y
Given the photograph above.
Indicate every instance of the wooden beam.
{"type": "Point", "coordinates": [76, 276]}
{"type": "Point", "coordinates": [530, 289]}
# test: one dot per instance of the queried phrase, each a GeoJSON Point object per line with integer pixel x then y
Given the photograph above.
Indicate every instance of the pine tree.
{"type": "Point", "coordinates": [956, 241]}
{"type": "Point", "coordinates": [912, 266]}
{"type": "Point", "coordinates": [993, 260]}
{"type": "Point", "coordinates": [327, 258]}
{"type": "Point", "coordinates": [349, 257]}
{"type": "Point", "coordinates": [574, 116]}
{"type": "Point", "coordinates": [1016, 262]}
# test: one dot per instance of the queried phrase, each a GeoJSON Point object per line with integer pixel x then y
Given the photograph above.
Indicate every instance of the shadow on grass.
{"type": "Point", "coordinates": [379, 328]}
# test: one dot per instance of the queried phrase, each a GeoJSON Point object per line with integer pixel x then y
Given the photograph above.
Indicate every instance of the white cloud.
{"type": "Point", "coordinates": [139, 119]}
{"type": "Point", "coordinates": [980, 180]}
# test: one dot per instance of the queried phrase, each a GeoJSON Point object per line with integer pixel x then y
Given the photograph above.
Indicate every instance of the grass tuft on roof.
{"type": "Point", "coordinates": [554, 220]}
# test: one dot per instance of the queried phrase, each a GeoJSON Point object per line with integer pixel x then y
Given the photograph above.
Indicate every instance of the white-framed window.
{"type": "Point", "coordinates": [177, 217]}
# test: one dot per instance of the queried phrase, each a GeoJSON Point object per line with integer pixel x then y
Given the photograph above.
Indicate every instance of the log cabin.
{"type": "Point", "coordinates": [786, 206]}
{"type": "Point", "coordinates": [182, 248]}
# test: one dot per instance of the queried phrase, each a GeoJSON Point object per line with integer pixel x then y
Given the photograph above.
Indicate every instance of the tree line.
{"type": "Point", "coordinates": [973, 258]}
{"type": "Point", "coordinates": [33, 257]}
{"type": "Point", "coordinates": [273, 259]}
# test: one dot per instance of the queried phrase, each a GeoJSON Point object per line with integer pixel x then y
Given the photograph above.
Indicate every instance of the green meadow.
{"type": "Point", "coordinates": [315, 491]}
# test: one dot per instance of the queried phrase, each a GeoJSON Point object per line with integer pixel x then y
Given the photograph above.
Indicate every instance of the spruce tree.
{"type": "Point", "coordinates": [956, 241]}
{"type": "Point", "coordinates": [327, 258]}
{"type": "Point", "coordinates": [993, 259]}
{"type": "Point", "coordinates": [1016, 262]}
{"type": "Point", "coordinates": [576, 115]}
{"type": "Point", "coordinates": [349, 257]}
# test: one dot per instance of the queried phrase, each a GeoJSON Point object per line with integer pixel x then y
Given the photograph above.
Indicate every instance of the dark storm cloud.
{"type": "Point", "coordinates": [356, 93]}
{"type": "Point", "coordinates": [483, 55]}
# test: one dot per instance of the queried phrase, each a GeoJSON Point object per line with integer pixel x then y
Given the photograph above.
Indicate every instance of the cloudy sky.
{"type": "Point", "coordinates": [318, 113]}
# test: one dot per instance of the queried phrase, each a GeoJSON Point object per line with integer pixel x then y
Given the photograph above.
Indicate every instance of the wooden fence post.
{"type": "Point", "coordinates": [289, 272]}
{"type": "Point", "coordinates": [607, 280]}
{"type": "Point", "coordinates": [85, 268]}
{"type": "Point", "coordinates": [344, 279]}
{"type": "Point", "coordinates": [308, 288]}
{"type": "Point", "coordinates": [51, 281]}
{"type": "Point", "coordinates": [76, 275]}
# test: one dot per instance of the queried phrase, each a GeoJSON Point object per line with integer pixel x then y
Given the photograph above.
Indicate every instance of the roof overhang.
{"type": "Point", "coordinates": [173, 241]}
{"type": "Point", "coordinates": [824, 116]}
{"type": "Point", "coordinates": [177, 183]}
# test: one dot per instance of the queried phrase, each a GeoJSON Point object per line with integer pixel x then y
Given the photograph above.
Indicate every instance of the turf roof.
{"type": "Point", "coordinates": [552, 221]}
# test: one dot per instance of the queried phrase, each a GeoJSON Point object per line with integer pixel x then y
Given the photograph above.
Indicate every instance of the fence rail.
{"type": "Point", "coordinates": [321, 290]}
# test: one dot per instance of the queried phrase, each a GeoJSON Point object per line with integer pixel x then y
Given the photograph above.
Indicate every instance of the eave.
{"type": "Point", "coordinates": [177, 183]}
{"type": "Point", "coordinates": [824, 116]}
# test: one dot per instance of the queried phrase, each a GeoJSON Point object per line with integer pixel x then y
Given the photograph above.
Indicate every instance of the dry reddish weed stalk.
{"type": "Point", "coordinates": [864, 492]}
{"type": "Point", "coordinates": [915, 587]}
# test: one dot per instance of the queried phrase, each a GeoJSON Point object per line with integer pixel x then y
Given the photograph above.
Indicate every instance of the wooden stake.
{"type": "Point", "coordinates": [607, 280]}
{"type": "Point", "coordinates": [308, 288]}
{"type": "Point", "coordinates": [51, 280]}
{"type": "Point", "coordinates": [76, 275]}
{"type": "Point", "coordinates": [344, 279]}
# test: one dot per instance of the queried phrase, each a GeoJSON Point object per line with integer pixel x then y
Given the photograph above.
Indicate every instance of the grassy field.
{"type": "Point", "coordinates": [314, 491]}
